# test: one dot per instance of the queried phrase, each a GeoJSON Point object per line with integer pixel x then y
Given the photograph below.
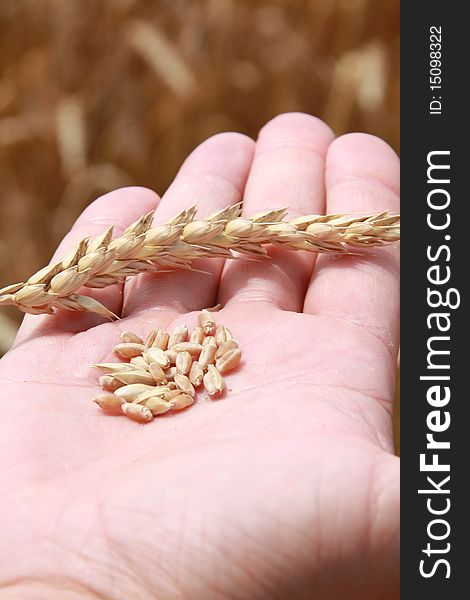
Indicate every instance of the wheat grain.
{"type": "Point", "coordinates": [158, 406]}
{"type": "Point", "coordinates": [127, 337]}
{"type": "Point", "coordinates": [172, 394]}
{"type": "Point", "coordinates": [140, 363]}
{"type": "Point", "coordinates": [161, 340]}
{"type": "Point", "coordinates": [131, 391]}
{"type": "Point", "coordinates": [197, 335]}
{"type": "Point", "coordinates": [151, 338]}
{"type": "Point", "coordinates": [171, 356]}
{"type": "Point", "coordinates": [196, 374]}
{"type": "Point", "coordinates": [128, 350]}
{"type": "Point", "coordinates": [207, 355]}
{"type": "Point", "coordinates": [207, 322]}
{"type": "Point", "coordinates": [170, 373]}
{"type": "Point", "coordinates": [184, 384]}
{"type": "Point", "coordinates": [183, 362]}
{"type": "Point", "coordinates": [181, 401]}
{"type": "Point", "coordinates": [191, 347]}
{"type": "Point", "coordinates": [101, 261]}
{"type": "Point", "coordinates": [213, 381]}
{"type": "Point", "coordinates": [137, 412]}
{"type": "Point", "coordinates": [225, 347]}
{"type": "Point", "coordinates": [208, 340]}
{"type": "Point", "coordinates": [217, 378]}
{"type": "Point", "coordinates": [220, 335]}
{"type": "Point", "coordinates": [156, 355]}
{"type": "Point", "coordinates": [109, 401]}
{"type": "Point", "coordinates": [228, 361]}
{"type": "Point", "coordinates": [110, 383]}
{"type": "Point", "coordinates": [158, 390]}
{"type": "Point", "coordinates": [180, 334]}
{"type": "Point", "coordinates": [158, 373]}
{"type": "Point", "coordinates": [129, 377]}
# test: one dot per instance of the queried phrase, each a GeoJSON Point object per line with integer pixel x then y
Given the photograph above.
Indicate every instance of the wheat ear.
{"type": "Point", "coordinates": [101, 261]}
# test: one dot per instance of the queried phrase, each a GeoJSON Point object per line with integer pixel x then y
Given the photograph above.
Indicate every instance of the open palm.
{"type": "Point", "coordinates": [287, 487]}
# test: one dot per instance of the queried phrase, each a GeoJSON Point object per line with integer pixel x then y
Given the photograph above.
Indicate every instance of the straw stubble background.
{"type": "Point", "coordinates": [97, 95]}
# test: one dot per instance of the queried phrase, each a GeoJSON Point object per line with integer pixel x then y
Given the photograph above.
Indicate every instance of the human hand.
{"type": "Point", "coordinates": [288, 487]}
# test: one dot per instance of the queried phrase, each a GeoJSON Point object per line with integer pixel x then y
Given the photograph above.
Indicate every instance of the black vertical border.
{"type": "Point", "coordinates": [420, 134]}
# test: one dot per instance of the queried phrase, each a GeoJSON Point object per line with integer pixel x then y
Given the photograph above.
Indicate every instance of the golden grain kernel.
{"type": "Point", "coordinates": [109, 402]}
{"type": "Point", "coordinates": [157, 373]}
{"type": "Point", "coordinates": [196, 374]}
{"type": "Point", "coordinates": [225, 347]}
{"type": "Point", "coordinates": [184, 384]}
{"type": "Point", "coordinates": [213, 381]}
{"type": "Point", "coordinates": [170, 373]}
{"type": "Point", "coordinates": [129, 350]}
{"type": "Point", "coordinates": [207, 355]}
{"type": "Point", "coordinates": [32, 294]}
{"type": "Point", "coordinates": [181, 401]}
{"type": "Point", "coordinates": [198, 232]}
{"type": "Point", "coordinates": [183, 362]}
{"type": "Point", "coordinates": [137, 412]}
{"type": "Point", "coordinates": [209, 383]}
{"type": "Point", "coordinates": [171, 356]}
{"type": "Point", "coordinates": [207, 322]}
{"type": "Point", "coordinates": [197, 335]}
{"type": "Point", "coordinates": [228, 361]}
{"type": "Point", "coordinates": [127, 337]}
{"type": "Point", "coordinates": [157, 355]}
{"type": "Point", "coordinates": [139, 362]}
{"type": "Point", "coordinates": [180, 334]}
{"type": "Point", "coordinates": [110, 383]}
{"type": "Point", "coordinates": [171, 394]}
{"type": "Point", "coordinates": [68, 281]}
{"type": "Point", "coordinates": [220, 335]}
{"type": "Point", "coordinates": [191, 347]}
{"type": "Point", "coordinates": [158, 406]}
{"type": "Point", "coordinates": [208, 340]}
{"type": "Point", "coordinates": [131, 391]}
{"type": "Point", "coordinates": [135, 377]}
{"type": "Point", "coordinates": [151, 337]}
{"type": "Point", "coordinates": [159, 390]}
{"type": "Point", "coordinates": [161, 341]}
{"type": "Point", "coordinates": [218, 379]}
{"type": "Point", "coordinates": [239, 227]}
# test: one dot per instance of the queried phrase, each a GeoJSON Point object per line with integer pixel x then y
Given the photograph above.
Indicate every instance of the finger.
{"type": "Point", "coordinates": [212, 177]}
{"type": "Point", "coordinates": [362, 176]}
{"type": "Point", "coordinates": [287, 171]}
{"type": "Point", "coordinates": [119, 208]}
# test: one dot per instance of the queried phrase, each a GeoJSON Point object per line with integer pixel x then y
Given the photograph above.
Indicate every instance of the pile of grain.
{"type": "Point", "coordinates": [163, 373]}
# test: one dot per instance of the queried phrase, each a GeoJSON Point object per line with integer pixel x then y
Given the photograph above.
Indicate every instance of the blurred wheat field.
{"type": "Point", "coordinates": [98, 95]}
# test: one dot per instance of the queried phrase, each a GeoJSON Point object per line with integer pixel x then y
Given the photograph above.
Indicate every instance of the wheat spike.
{"type": "Point", "coordinates": [101, 261]}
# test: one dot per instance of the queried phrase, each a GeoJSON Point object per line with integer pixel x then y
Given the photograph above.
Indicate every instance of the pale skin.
{"type": "Point", "coordinates": [285, 488]}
